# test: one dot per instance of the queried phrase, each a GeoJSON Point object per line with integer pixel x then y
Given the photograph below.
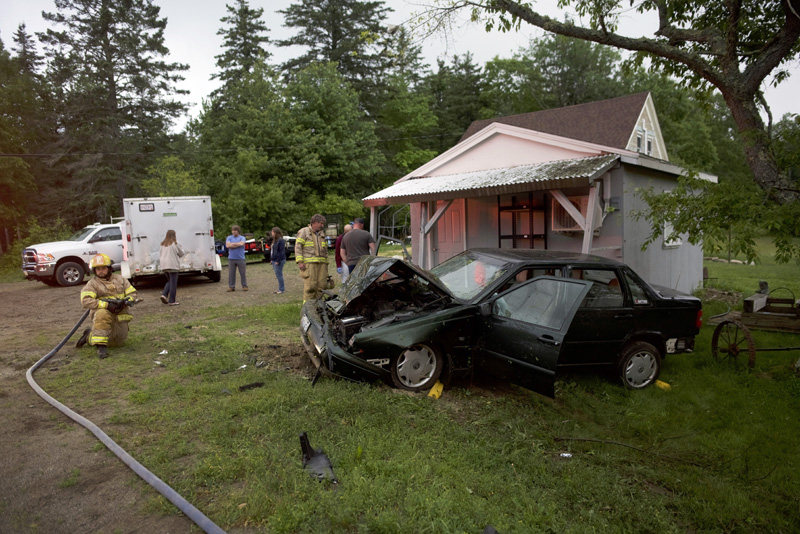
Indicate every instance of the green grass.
{"type": "Point", "coordinates": [717, 452]}
{"type": "Point", "coordinates": [744, 278]}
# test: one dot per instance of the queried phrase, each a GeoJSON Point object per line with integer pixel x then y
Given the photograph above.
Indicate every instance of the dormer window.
{"type": "Point", "coordinates": [638, 143]}
{"type": "Point", "coordinates": [649, 147]}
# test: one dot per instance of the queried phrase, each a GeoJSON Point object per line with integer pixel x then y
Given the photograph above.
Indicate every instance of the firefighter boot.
{"type": "Point", "coordinates": [84, 338]}
{"type": "Point", "coordinates": [102, 351]}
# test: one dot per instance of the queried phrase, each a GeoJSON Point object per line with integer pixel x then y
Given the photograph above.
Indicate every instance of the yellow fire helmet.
{"type": "Point", "coordinates": [100, 260]}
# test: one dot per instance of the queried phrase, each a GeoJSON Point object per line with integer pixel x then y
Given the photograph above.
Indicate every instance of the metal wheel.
{"type": "Point", "coordinates": [69, 274]}
{"type": "Point", "coordinates": [416, 368]}
{"type": "Point", "coordinates": [730, 339]}
{"type": "Point", "coordinates": [639, 365]}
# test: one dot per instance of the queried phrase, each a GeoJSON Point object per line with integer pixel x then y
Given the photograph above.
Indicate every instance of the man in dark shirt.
{"type": "Point", "coordinates": [356, 243]}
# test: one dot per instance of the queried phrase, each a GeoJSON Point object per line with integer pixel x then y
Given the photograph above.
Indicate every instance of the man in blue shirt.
{"type": "Point", "coordinates": [235, 244]}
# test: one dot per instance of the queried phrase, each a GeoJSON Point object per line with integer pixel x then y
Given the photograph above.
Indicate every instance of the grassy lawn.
{"type": "Point", "coordinates": [717, 452]}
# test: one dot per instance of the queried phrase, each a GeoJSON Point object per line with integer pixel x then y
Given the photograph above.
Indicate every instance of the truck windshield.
{"type": "Point", "coordinates": [80, 235]}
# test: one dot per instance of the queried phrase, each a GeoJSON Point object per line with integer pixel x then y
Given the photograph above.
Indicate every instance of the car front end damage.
{"type": "Point", "coordinates": [381, 325]}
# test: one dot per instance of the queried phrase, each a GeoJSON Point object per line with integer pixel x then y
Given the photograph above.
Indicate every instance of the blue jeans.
{"type": "Point", "coordinates": [278, 266]}
{"type": "Point", "coordinates": [171, 288]}
{"type": "Point", "coordinates": [233, 265]}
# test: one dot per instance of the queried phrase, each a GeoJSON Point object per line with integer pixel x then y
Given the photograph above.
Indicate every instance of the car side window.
{"type": "Point", "coordinates": [638, 294]}
{"type": "Point", "coordinates": [605, 292]}
{"type": "Point", "coordinates": [544, 302]}
{"type": "Point", "coordinates": [108, 234]}
{"type": "Point", "coordinates": [529, 274]}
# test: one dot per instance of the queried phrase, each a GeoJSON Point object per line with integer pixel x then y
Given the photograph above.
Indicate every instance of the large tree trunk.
{"type": "Point", "coordinates": [760, 157]}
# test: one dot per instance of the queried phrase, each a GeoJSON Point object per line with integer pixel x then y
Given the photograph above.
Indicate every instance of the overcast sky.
{"type": "Point", "coordinates": [191, 37]}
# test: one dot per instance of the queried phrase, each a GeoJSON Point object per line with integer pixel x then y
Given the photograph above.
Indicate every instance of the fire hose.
{"type": "Point", "coordinates": [159, 485]}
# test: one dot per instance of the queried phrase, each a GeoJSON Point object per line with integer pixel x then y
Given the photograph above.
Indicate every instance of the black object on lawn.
{"type": "Point", "coordinates": [316, 461]}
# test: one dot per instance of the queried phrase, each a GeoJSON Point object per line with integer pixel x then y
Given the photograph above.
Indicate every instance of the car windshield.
{"type": "Point", "coordinates": [80, 235]}
{"type": "Point", "coordinates": [468, 274]}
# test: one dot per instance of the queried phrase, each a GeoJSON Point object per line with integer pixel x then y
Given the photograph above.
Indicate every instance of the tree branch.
{"type": "Point", "coordinates": [661, 49]}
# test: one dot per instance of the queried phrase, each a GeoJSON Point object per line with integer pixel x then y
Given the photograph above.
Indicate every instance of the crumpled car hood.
{"type": "Point", "coordinates": [372, 268]}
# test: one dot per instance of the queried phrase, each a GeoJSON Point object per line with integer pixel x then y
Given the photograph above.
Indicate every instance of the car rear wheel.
{"type": "Point", "coordinates": [416, 368]}
{"type": "Point", "coordinates": [69, 274]}
{"type": "Point", "coordinates": [639, 365]}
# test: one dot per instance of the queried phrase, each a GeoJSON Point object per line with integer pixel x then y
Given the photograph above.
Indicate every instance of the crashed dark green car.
{"type": "Point", "coordinates": [516, 314]}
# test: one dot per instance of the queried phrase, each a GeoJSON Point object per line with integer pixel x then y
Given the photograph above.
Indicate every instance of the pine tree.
{"type": "Point", "coordinates": [345, 32]}
{"type": "Point", "coordinates": [455, 92]}
{"type": "Point", "coordinates": [114, 98]}
{"type": "Point", "coordinates": [243, 43]}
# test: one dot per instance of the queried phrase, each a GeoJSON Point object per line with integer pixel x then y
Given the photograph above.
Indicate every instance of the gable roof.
{"type": "Point", "coordinates": [607, 122]}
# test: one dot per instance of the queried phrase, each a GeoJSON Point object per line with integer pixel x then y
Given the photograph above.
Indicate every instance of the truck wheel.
{"type": "Point", "coordinates": [214, 276]}
{"type": "Point", "coordinates": [69, 273]}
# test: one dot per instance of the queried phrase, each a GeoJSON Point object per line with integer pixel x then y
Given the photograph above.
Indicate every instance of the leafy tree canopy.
{"type": "Point", "coordinates": [733, 46]}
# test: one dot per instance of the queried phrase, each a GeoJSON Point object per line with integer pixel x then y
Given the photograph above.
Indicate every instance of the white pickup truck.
{"type": "Point", "coordinates": [65, 263]}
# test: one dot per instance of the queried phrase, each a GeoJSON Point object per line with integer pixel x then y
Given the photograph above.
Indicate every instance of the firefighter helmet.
{"type": "Point", "coordinates": [100, 260]}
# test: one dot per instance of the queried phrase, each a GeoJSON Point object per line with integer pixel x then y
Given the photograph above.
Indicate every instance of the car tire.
{"type": "Point", "coordinates": [639, 365]}
{"type": "Point", "coordinates": [70, 273]}
{"type": "Point", "coordinates": [416, 368]}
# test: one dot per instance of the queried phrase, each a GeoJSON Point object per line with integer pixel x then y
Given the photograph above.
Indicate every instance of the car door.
{"type": "Point", "coordinates": [107, 241]}
{"type": "Point", "coordinates": [523, 331]}
{"type": "Point", "coordinates": [603, 322]}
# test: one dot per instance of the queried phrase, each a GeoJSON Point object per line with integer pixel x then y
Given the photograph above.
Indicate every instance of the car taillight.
{"type": "Point", "coordinates": [699, 321]}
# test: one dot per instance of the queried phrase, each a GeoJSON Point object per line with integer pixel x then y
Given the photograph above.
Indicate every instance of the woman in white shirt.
{"type": "Point", "coordinates": [171, 252]}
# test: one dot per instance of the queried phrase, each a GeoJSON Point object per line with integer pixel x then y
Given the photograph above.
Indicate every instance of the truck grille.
{"type": "Point", "coordinates": [29, 255]}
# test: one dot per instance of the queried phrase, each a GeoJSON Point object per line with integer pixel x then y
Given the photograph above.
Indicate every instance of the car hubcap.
{"type": "Point", "coordinates": [416, 366]}
{"type": "Point", "coordinates": [640, 370]}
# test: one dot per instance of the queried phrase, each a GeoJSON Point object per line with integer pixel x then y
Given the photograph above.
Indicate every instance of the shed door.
{"type": "Point", "coordinates": [449, 232]}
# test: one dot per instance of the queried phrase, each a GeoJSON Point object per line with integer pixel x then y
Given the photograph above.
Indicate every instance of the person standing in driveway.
{"type": "Point", "coordinates": [358, 242]}
{"type": "Point", "coordinates": [311, 255]}
{"type": "Point", "coordinates": [235, 244]}
{"type": "Point", "coordinates": [170, 263]}
{"type": "Point", "coordinates": [278, 257]}
{"type": "Point", "coordinates": [341, 267]}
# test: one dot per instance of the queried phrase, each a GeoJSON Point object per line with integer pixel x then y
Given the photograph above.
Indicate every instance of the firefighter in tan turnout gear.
{"type": "Point", "coordinates": [109, 296]}
{"type": "Point", "coordinates": [311, 254]}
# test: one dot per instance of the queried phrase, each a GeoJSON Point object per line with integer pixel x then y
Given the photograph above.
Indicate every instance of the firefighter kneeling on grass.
{"type": "Point", "coordinates": [109, 317]}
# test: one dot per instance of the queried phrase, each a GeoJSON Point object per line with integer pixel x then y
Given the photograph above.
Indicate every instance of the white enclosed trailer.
{"type": "Point", "coordinates": [146, 223]}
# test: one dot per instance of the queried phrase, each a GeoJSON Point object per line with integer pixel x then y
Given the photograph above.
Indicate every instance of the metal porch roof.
{"type": "Point", "coordinates": [538, 176]}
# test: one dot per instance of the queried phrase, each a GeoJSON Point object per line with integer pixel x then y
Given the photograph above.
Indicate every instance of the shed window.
{"type": "Point", "coordinates": [671, 242]}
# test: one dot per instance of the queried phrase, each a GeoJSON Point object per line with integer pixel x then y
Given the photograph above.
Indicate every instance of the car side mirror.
{"type": "Point", "coordinates": [485, 308]}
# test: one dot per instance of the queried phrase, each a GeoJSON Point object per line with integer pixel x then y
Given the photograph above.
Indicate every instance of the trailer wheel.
{"type": "Point", "coordinates": [730, 339]}
{"type": "Point", "coordinates": [214, 276]}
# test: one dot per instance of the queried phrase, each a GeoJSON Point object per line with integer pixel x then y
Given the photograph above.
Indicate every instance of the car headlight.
{"type": "Point", "coordinates": [44, 258]}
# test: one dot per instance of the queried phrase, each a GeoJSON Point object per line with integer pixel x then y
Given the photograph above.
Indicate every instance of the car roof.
{"type": "Point", "coordinates": [527, 256]}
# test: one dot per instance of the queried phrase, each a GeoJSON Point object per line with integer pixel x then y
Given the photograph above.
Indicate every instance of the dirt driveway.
{"type": "Point", "coordinates": [41, 449]}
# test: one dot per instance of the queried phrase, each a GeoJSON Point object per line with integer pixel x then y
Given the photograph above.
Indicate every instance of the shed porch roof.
{"type": "Point", "coordinates": [548, 175]}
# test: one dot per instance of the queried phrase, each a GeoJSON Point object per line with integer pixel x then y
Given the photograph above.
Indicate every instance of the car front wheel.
{"type": "Point", "coordinates": [69, 274]}
{"type": "Point", "coordinates": [639, 365]}
{"type": "Point", "coordinates": [416, 368]}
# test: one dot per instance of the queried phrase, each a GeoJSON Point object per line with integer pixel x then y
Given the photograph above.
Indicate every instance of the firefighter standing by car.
{"type": "Point", "coordinates": [109, 317]}
{"type": "Point", "coordinates": [311, 254]}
